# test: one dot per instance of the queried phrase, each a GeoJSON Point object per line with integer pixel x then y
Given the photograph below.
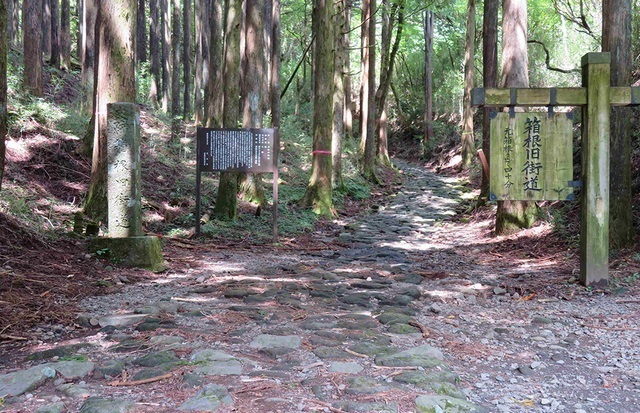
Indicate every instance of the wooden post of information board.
{"type": "Point", "coordinates": [594, 221]}
{"type": "Point", "coordinates": [276, 153]}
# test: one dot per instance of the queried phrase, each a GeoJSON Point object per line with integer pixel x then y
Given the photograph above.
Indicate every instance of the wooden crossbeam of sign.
{"type": "Point", "coordinates": [562, 96]}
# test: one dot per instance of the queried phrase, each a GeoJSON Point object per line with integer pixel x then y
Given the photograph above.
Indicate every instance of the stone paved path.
{"type": "Point", "coordinates": [388, 323]}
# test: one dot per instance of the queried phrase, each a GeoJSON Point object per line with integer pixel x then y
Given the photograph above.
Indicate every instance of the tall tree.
{"type": "Point", "coordinates": [175, 66]}
{"type": "Point", "coordinates": [167, 61]}
{"type": "Point", "coordinates": [616, 38]}
{"type": "Point", "coordinates": [65, 34]}
{"type": "Point", "coordinates": [468, 146]}
{"type": "Point", "coordinates": [202, 37]}
{"type": "Point", "coordinates": [55, 34]}
{"type": "Point", "coordinates": [489, 80]}
{"type": "Point", "coordinates": [319, 193]}
{"type": "Point", "coordinates": [254, 90]}
{"type": "Point", "coordinates": [255, 74]}
{"type": "Point", "coordinates": [341, 51]}
{"type": "Point", "coordinates": [4, 40]}
{"type": "Point", "coordinates": [155, 51]}
{"type": "Point", "coordinates": [428, 79]}
{"type": "Point", "coordinates": [89, 13]}
{"type": "Point", "coordinates": [226, 201]}
{"type": "Point", "coordinates": [13, 24]}
{"type": "Point", "coordinates": [348, 90]}
{"type": "Point", "coordinates": [276, 46]}
{"type": "Point", "coordinates": [115, 81]}
{"type": "Point", "coordinates": [511, 216]}
{"type": "Point", "coordinates": [79, 14]}
{"type": "Point", "coordinates": [46, 27]}
{"type": "Point", "coordinates": [216, 80]}
{"type": "Point", "coordinates": [141, 32]}
{"type": "Point", "coordinates": [186, 59]}
{"type": "Point", "coordinates": [368, 116]}
{"type": "Point", "coordinates": [393, 16]}
{"type": "Point", "coordinates": [365, 56]}
{"type": "Point", "coordinates": [32, 41]}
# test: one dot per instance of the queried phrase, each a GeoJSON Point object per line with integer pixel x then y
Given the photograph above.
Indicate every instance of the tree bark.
{"type": "Point", "coordinates": [89, 13]}
{"type": "Point", "coordinates": [187, 107]}
{"type": "Point", "coordinates": [348, 90]}
{"type": "Point", "coordinates": [365, 56]}
{"type": "Point", "coordinates": [4, 40]}
{"type": "Point", "coordinates": [490, 80]}
{"type": "Point", "coordinates": [198, 78]}
{"type": "Point", "coordinates": [141, 33]}
{"type": "Point", "coordinates": [46, 27]}
{"type": "Point", "coordinates": [254, 90]}
{"type": "Point", "coordinates": [115, 81]}
{"type": "Point", "coordinates": [227, 201]}
{"type": "Point", "coordinates": [55, 34]}
{"type": "Point", "coordinates": [155, 51]}
{"type": "Point", "coordinates": [32, 41]}
{"type": "Point", "coordinates": [13, 23]}
{"type": "Point", "coordinates": [370, 126]}
{"type": "Point", "coordinates": [428, 80]}
{"type": "Point", "coordinates": [512, 216]}
{"type": "Point", "coordinates": [165, 22]}
{"type": "Point", "coordinates": [202, 36]}
{"type": "Point", "coordinates": [80, 28]}
{"type": "Point", "coordinates": [276, 46]}
{"type": "Point", "coordinates": [468, 144]}
{"type": "Point", "coordinates": [319, 193]}
{"type": "Point", "coordinates": [65, 34]}
{"type": "Point", "coordinates": [175, 67]}
{"type": "Point", "coordinates": [385, 52]}
{"type": "Point", "coordinates": [341, 51]}
{"type": "Point", "coordinates": [388, 56]}
{"type": "Point", "coordinates": [214, 90]}
{"type": "Point", "coordinates": [616, 38]}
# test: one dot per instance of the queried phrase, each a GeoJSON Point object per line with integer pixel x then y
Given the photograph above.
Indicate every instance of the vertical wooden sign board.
{"type": "Point", "coordinates": [531, 156]}
{"type": "Point", "coordinates": [238, 150]}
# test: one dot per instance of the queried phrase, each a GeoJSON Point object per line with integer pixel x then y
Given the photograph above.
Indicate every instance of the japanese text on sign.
{"type": "Point", "coordinates": [531, 156]}
{"type": "Point", "coordinates": [236, 150]}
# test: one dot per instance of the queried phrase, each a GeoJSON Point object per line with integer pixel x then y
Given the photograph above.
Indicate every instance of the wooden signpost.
{"type": "Point", "coordinates": [238, 150]}
{"type": "Point", "coordinates": [595, 97]}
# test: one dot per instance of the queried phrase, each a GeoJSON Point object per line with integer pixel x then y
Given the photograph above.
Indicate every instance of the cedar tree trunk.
{"type": "Point", "coordinates": [468, 145]}
{"type": "Point", "coordinates": [115, 81]}
{"type": "Point", "coordinates": [319, 193]}
{"type": "Point", "coordinates": [32, 41]}
{"type": "Point", "coordinates": [616, 38]}
{"type": "Point", "coordinates": [227, 199]}
{"type": "Point", "coordinates": [512, 216]}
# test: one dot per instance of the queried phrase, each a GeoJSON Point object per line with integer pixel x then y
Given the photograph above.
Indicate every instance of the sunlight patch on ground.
{"type": "Point", "coordinates": [18, 150]}
{"type": "Point", "coordinates": [195, 299]}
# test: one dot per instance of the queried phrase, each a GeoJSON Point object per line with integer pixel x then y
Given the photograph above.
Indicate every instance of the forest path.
{"type": "Point", "coordinates": [404, 311]}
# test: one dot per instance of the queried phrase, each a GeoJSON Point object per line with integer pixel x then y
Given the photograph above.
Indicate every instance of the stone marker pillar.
{"type": "Point", "coordinates": [123, 179]}
{"type": "Point", "coordinates": [126, 243]}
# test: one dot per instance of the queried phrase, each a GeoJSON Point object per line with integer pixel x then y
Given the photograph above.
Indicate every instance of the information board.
{"type": "Point", "coordinates": [531, 156]}
{"type": "Point", "coordinates": [236, 150]}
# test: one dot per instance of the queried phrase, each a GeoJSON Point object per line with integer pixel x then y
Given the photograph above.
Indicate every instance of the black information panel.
{"type": "Point", "coordinates": [236, 150]}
